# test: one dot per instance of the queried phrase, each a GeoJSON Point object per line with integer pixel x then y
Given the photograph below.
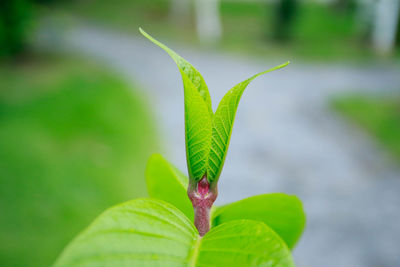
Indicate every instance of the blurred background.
{"type": "Point", "coordinates": [84, 101]}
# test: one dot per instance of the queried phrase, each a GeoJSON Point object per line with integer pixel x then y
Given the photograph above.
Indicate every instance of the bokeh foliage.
{"type": "Point", "coordinates": [15, 24]}
{"type": "Point", "coordinates": [379, 115]}
{"type": "Point", "coordinates": [74, 140]}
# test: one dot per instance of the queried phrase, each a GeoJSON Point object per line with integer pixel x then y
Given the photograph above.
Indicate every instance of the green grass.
{"type": "Point", "coordinates": [320, 32]}
{"type": "Point", "coordinates": [74, 140]}
{"type": "Point", "coordinates": [380, 116]}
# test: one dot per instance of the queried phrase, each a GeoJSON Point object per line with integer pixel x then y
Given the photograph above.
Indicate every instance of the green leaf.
{"type": "Point", "coordinates": [197, 133]}
{"type": "Point", "coordinates": [164, 181]}
{"type": "Point", "coordinates": [283, 213]}
{"type": "Point", "coordinates": [149, 232]}
{"type": "Point", "coordinates": [198, 113]}
{"type": "Point", "coordinates": [141, 232]}
{"type": "Point", "coordinates": [187, 70]}
{"type": "Point", "coordinates": [243, 243]}
{"type": "Point", "coordinates": [222, 124]}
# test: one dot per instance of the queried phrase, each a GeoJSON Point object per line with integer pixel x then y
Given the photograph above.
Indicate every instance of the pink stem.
{"type": "Point", "coordinates": [202, 197]}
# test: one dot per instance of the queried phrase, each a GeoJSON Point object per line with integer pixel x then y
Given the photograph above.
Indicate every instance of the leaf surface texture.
{"type": "Point", "coordinates": [150, 233]}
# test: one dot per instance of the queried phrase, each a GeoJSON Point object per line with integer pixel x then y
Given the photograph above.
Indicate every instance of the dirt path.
{"type": "Point", "coordinates": [285, 140]}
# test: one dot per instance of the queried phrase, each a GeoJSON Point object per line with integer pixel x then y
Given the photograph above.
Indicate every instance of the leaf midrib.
{"type": "Point", "coordinates": [195, 254]}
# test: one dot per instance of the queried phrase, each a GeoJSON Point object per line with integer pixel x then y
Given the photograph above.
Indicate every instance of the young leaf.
{"type": "Point", "coordinates": [187, 70]}
{"type": "Point", "coordinates": [164, 181]}
{"type": "Point", "coordinates": [197, 132]}
{"type": "Point", "coordinates": [198, 113]}
{"type": "Point", "coordinates": [149, 232]}
{"type": "Point", "coordinates": [222, 124]}
{"type": "Point", "coordinates": [283, 213]}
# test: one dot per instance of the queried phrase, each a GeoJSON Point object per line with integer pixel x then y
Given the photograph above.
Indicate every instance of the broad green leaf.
{"type": "Point", "coordinates": [164, 181]}
{"type": "Point", "coordinates": [141, 232]}
{"type": "Point", "coordinates": [243, 243]}
{"type": "Point", "coordinates": [198, 113]}
{"type": "Point", "coordinates": [150, 233]}
{"type": "Point", "coordinates": [283, 213]}
{"type": "Point", "coordinates": [222, 124]}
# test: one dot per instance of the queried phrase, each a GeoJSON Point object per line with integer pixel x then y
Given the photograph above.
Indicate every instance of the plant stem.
{"type": "Point", "coordinates": [202, 196]}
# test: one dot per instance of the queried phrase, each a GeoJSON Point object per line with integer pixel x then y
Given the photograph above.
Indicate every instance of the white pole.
{"type": "Point", "coordinates": [385, 25]}
{"type": "Point", "coordinates": [208, 22]}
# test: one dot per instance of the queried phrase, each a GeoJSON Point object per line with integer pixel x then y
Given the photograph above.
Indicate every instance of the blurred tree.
{"type": "Point", "coordinates": [284, 19]}
{"type": "Point", "coordinates": [344, 5]}
{"type": "Point", "coordinates": [364, 14]}
{"type": "Point", "coordinates": [398, 32]}
{"type": "Point", "coordinates": [15, 18]}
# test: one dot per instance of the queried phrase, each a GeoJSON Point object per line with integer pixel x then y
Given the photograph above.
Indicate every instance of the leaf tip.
{"type": "Point", "coordinates": [143, 32]}
{"type": "Point", "coordinates": [283, 65]}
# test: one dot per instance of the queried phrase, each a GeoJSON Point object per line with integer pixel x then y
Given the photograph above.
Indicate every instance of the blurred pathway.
{"type": "Point", "coordinates": [285, 139]}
